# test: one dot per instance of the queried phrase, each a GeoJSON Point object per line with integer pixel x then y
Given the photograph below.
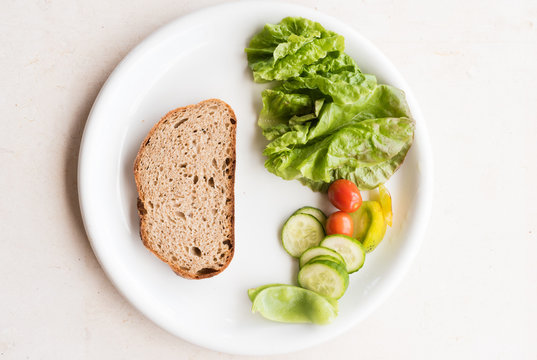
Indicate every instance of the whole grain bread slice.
{"type": "Point", "coordinates": [185, 175]}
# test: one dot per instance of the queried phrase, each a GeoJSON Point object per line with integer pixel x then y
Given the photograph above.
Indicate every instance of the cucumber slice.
{"type": "Point", "coordinates": [327, 257]}
{"type": "Point", "coordinates": [350, 249]}
{"type": "Point", "coordinates": [325, 277]}
{"type": "Point", "coordinates": [300, 232]}
{"type": "Point", "coordinates": [292, 304]}
{"type": "Point", "coordinates": [318, 251]}
{"type": "Point", "coordinates": [318, 214]}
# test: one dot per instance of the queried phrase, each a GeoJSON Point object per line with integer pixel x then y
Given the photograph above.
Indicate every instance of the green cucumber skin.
{"type": "Point", "coordinates": [303, 210]}
{"type": "Point", "coordinates": [328, 252]}
{"type": "Point", "coordinates": [325, 257]}
{"type": "Point", "coordinates": [287, 222]}
{"type": "Point", "coordinates": [340, 269]}
{"type": "Point", "coordinates": [354, 241]}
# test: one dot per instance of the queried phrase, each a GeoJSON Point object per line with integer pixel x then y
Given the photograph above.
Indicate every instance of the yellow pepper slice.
{"type": "Point", "coordinates": [386, 204]}
{"type": "Point", "coordinates": [369, 224]}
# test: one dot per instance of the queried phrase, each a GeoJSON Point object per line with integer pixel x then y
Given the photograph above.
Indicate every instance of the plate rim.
{"type": "Point", "coordinates": [424, 157]}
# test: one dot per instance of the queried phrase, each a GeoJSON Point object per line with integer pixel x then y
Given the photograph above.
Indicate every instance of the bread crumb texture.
{"type": "Point", "coordinates": [185, 175]}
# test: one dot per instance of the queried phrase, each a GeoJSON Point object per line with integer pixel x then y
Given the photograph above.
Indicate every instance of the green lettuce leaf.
{"type": "Point", "coordinates": [279, 107]}
{"type": "Point", "coordinates": [325, 119]}
{"type": "Point", "coordinates": [367, 177]}
{"type": "Point", "coordinates": [282, 51]}
{"type": "Point", "coordinates": [364, 142]}
{"type": "Point", "coordinates": [367, 152]}
{"type": "Point", "coordinates": [336, 77]}
{"type": "Point", "coordinates": [384, 101]}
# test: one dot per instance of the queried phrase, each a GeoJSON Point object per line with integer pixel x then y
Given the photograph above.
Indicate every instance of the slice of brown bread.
{"type": "Point", "coordinates": [185, 175]}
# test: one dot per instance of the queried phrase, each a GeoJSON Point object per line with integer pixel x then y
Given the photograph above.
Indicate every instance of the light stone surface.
{"type": "Point", "coordinates": [470, 294]}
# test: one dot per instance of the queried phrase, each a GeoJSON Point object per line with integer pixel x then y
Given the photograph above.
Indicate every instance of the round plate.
{"type": "Point", "coordinates": [197, 57]}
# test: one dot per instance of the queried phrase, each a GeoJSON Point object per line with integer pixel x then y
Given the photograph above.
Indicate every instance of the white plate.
{"type": "Point", "coordinates": [197, 57]}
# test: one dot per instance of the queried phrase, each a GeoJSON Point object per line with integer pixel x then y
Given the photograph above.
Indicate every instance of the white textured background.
{"type": "Point", "coordinates": [470, 294]}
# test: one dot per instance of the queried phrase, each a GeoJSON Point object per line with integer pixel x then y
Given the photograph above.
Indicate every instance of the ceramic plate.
{"type": "Point", "coordinates": [197, 57]}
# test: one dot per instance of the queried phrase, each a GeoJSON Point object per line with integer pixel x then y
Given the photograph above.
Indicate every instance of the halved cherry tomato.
{"type": "Point", "coordinates": [344, 195]}
{"type": "Point", "coordinates": [339, 223]}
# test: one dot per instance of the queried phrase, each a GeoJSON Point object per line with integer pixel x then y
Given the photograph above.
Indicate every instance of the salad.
{"type": "Point", "coordinates": [338, 131]}
{"type": "Point", "coordinates": [324, 118]}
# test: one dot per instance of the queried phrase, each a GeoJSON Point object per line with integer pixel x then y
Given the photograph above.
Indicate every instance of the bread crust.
{"type": "Point", "coordinates": [141, 195]}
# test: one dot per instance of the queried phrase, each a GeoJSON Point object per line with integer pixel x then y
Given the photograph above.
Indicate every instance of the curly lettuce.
{"type": "Point", "coordinates": [280, 51]}
{"type": "Point", "coordinates": [325, 119]}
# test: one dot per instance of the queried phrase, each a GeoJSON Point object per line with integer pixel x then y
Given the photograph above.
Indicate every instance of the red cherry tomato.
{"type": "Point", "coordinates": [339, 223]}
{"type": "Point", "coordinates": [344, 195]}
